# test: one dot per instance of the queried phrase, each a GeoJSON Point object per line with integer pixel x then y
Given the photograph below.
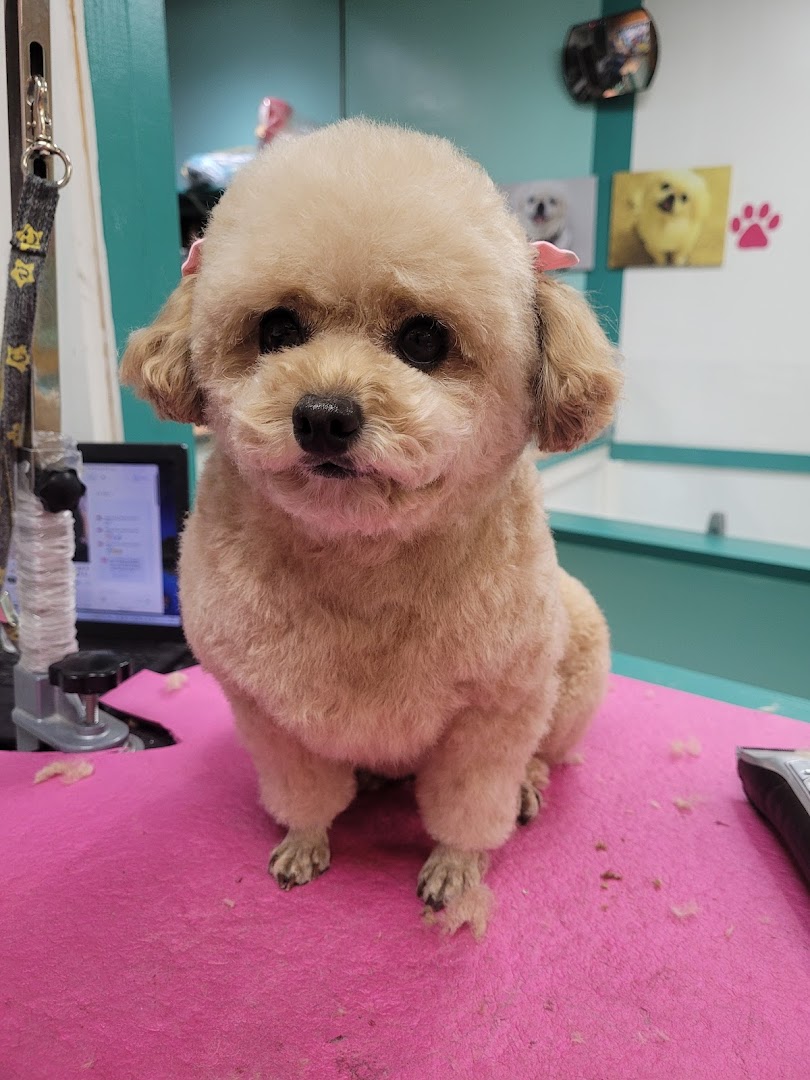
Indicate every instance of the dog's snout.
{"type": "Point", "coordinates": [326, 425]}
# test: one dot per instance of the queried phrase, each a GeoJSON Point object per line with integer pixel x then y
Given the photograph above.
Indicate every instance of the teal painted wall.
{"type": "Point", "coordinates": [126, 45]}
{"type": "Point", "coordinates": [224, 57]}
{"type": "Point", "coordinates": [711, 686]}
{"type": "Point", "coordinates": [612, 147]}
{"type": "Point", "coordinates": [710, 457]}
{"type": "Point", "coordinates": [745, 626]}
{"type": "Point", "coordinates": [486, 75]}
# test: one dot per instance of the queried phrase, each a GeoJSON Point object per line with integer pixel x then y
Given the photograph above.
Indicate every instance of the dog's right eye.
{"type": "Point", "coordinates": [666, 187]}
{"type": "Point", "coordinates": [422, 342]}
{"type": "Point", "coordinates": [280, 329]}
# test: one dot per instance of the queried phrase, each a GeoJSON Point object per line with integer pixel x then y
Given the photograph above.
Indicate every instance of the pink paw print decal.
{"type": "Point", "coordinates": [752, 228]}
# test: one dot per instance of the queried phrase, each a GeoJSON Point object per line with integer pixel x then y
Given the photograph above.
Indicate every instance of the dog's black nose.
{"type": "Point", "coordinates": [326, 425]}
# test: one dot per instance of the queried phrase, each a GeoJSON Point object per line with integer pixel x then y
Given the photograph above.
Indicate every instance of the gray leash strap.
{"type": "Point", "coordinates": [29, 246]}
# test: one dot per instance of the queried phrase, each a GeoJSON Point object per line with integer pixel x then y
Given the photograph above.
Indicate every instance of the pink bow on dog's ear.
{"type": "Point", "coordinates": [550, 257]}
{"type": "Point", "coordinates": [193, 259]}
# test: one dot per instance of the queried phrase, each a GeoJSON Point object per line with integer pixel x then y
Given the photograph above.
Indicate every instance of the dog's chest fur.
{"type": "Point", "coordinates": [364, 663]}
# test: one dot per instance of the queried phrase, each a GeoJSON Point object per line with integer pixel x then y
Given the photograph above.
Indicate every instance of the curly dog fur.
{"type": "Point", "coordinates": [410, 617]}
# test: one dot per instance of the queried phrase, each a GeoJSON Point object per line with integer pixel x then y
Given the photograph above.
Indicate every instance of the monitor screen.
{"type": "Point", "coordinates": [126, 530]}
{"type": "Point", "coordinates": [126, 546]}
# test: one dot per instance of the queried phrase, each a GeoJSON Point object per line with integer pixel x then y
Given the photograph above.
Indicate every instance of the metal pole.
{"type": "Point", "coordinates": [28, 75]}
{"type": "Point", "coordinates": [56, 689]}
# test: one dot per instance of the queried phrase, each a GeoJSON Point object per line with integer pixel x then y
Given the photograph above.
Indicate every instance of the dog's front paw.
{"type": "Point", "coordinates": [301, 856]}
{"type": "Point", "coordinates": [448, 874]}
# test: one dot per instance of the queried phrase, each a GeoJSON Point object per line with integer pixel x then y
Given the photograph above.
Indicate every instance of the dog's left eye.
{"type": "Point", "coordinates": [684, 198]}
{"type": "Point", "coordinates": [422, 342]}
{"type": "Point", "coordinates": [280, 329]}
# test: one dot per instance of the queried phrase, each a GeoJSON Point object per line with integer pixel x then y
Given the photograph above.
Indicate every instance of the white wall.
{"type": "Point", "coordinates": [720, 357]}
{"type": "Point", "coordinates": [91, 403]}
{"type": "Point", "coordinates": [770, 506]}
{"type": "Point", "coordinates": [579, 485]}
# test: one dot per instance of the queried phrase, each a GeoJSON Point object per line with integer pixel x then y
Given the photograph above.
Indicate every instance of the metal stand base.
{"type": "Point", "coordinates": [44, 714]}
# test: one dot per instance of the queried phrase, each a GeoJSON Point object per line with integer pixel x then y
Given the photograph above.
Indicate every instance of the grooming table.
{"type": "Point", "coordinates": [141, 938]}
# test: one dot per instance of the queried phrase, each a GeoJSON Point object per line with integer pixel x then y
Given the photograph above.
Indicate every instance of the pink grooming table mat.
{"type": "Point", "coordinates": [120, 958]}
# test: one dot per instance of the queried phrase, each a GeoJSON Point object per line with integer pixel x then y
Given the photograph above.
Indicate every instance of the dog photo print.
{"type": "Point", "coordinates": [562, 212]}
{"type": "Point", "coordinates": [673, 217]}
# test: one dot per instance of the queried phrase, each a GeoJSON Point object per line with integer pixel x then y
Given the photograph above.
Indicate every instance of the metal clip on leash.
{"type": "Point", "coordinates": [56, 688]}
{"type": "Point", "coordinates": [41, 125]}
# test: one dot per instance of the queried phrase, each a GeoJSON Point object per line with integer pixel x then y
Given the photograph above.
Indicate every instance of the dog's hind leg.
{"type": "Point", "coordinates": [538, 775]}
{"type": "Point", "coordinates": [583, 672]}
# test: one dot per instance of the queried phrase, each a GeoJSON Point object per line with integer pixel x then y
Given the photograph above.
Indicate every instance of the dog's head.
{"type": "Point", "coordinates": [545, 212]}
{"type": "Point", "coordinates": [368, 337]}
{"type": "Point", "coordinates": [676, 195]}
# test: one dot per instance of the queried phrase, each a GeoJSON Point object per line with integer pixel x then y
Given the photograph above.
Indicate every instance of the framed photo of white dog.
{"type": "Point", "coordinates": [561, 212]}
{"type": "Point", "coordinates": [672, 217]}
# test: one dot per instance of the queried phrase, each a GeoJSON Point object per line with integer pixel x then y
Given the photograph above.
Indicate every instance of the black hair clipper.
{"type": "Point", "coordinates": [777, 783]}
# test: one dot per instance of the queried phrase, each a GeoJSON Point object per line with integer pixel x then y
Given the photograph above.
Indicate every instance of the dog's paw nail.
{"type": "Point", "coordinates": [429, 898]}
{"type": "Point", "coordinates": [530, 803]}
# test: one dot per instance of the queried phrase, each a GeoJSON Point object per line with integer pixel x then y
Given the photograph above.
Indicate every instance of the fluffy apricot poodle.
{"type": "Point", "coordinates": [368, 570]}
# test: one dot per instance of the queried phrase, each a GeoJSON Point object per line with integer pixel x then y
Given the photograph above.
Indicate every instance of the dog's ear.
{"type": "Point", "coordinates": [157, 361]}
{"type": "Point", "coordinates": [577, 380]}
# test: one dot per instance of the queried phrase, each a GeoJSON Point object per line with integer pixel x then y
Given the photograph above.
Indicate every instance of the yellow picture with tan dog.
{"type": "Point", "coordinates": [673, 217]}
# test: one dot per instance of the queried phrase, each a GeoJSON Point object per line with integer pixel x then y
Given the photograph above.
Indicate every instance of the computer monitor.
{"type": "Point", "coordinates": [127, 531]}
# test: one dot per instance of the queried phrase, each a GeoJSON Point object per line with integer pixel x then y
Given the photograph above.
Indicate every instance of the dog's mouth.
{"type": "Point", "coordinates": [667, 205]}
{"type": "Point", "coordinates": [333, 470]}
